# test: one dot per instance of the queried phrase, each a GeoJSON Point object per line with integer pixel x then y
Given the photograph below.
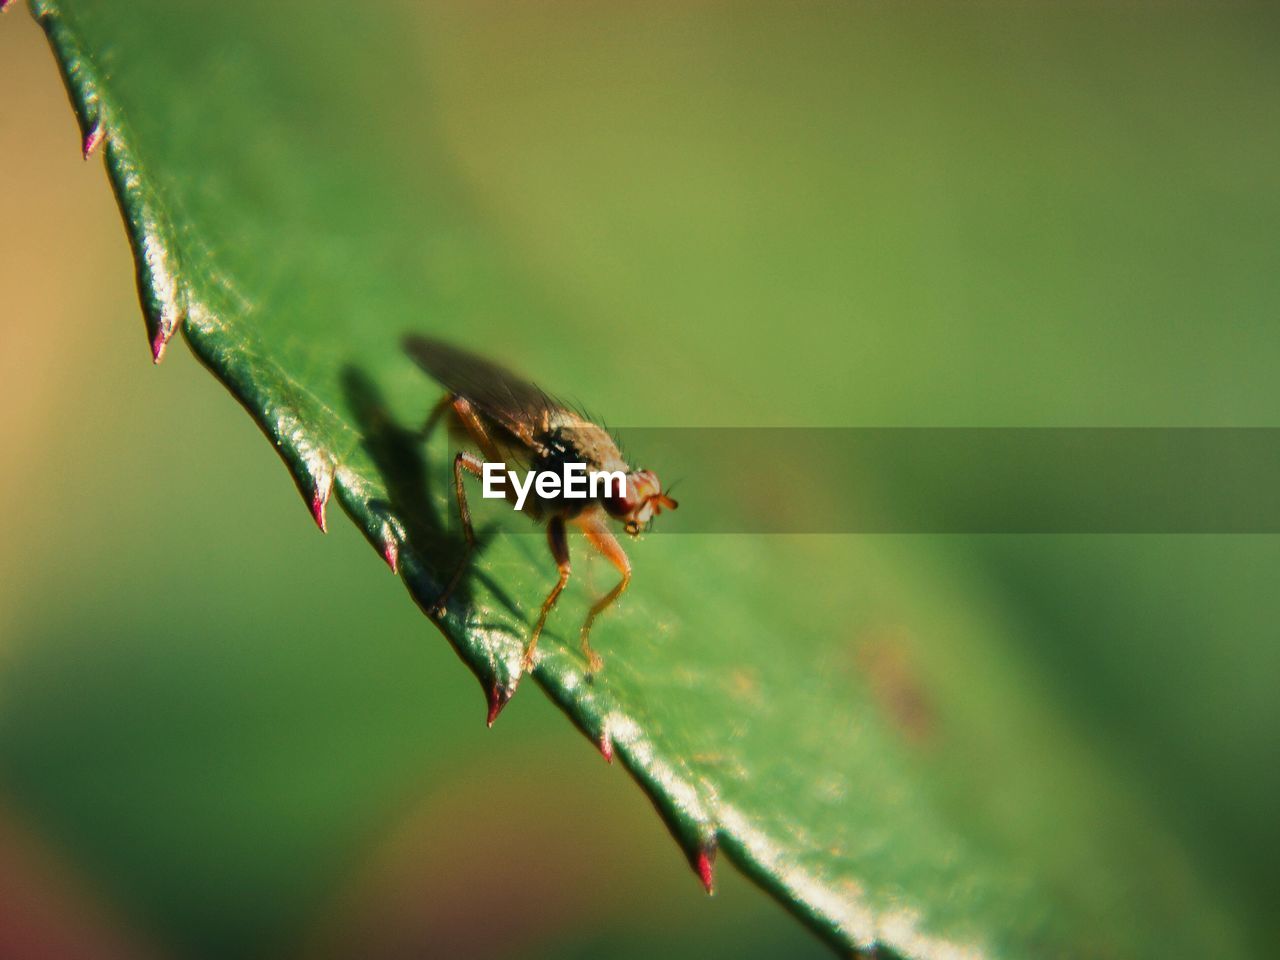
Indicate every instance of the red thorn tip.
{"type": "Point", "coordinates": [606, 748]}
{"type": "Point", "coordinates": [318, 501]}
{"type": "Point", "coordinates": [92, 140]}
{"type": "Point", "coordinates": [499, 697]}
{"type": "Point", "coordinates": [4, 5]}
{"type": "Point", "coordinates": [391, 554]}
{"type": "Point", "coordinates": [707, 867]}
{"type": "Point", "coordinates": [158, 343]}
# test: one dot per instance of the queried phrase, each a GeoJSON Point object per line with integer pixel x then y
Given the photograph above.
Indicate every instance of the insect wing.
{"type": "Point", "coordinates": [500, 395]}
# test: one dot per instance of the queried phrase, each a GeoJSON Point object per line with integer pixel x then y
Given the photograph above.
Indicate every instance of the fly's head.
{"type": "Point", "coordinates": [641, 500]}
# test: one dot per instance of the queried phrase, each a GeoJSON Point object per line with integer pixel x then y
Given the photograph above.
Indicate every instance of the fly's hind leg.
{"type": "Point", "coordinates": [439, 410]}
{"type": "Point", "coordinates": [602, 539]}
{"type": "Point", "coordinates": [473, 465]}
{"type": "Point", "coordinates": [558, 540]}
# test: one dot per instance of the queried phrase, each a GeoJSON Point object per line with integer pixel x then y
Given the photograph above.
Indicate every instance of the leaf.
{"type": "Point", "coordinates": [848, 719]}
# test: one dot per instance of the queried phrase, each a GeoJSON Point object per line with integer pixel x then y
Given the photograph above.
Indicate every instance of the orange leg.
{"type": "Point", "coordinates": [475, 426]}
{"type": "Point", "coordinates": [473, 465]}
{"type": "Point", "coordinates": [559, 543]}
{"type": "Point", "coordinates": [602, 539]}
{"type": "Point", "coordinates": [434, 416]}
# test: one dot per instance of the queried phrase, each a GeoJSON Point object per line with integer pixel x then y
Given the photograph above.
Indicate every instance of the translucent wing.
{"type": "Point", "coordinates": [500, 395]}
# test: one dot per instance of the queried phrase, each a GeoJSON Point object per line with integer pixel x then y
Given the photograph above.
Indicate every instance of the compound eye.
{"type": "Point", "coordinates": [623, 505]}
{"type": "Point", "coordinates": [618, 506]}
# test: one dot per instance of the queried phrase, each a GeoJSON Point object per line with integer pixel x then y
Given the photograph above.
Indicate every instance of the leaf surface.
{"type": "Point", "coordinates": [848, 719]}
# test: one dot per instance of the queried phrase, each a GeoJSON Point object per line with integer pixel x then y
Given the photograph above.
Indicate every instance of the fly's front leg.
{"type": "Point", "coordinates": [473, 465]}
{"type": "Point", "coordinates": [602, 539]}
{"type": "Point", "coordinates": [558, 540]}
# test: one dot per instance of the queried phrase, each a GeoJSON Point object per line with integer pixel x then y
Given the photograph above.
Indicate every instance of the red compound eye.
{"type": "Point", "coordinates": [621, 506]}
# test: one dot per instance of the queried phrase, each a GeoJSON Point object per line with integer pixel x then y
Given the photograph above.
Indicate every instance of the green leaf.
{"type": "Point", "coordinates": [852, 720]}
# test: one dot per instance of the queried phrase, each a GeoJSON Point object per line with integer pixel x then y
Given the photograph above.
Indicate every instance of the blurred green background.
{"type": "Point", "coordinates": [222, 735]}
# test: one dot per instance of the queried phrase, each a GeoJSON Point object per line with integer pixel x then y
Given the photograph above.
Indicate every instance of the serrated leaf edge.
{"type": "Point", "coordinates": [686, 803]}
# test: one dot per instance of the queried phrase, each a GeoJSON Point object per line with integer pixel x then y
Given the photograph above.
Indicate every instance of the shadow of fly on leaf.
{"type": "Point", "coordinates": [400, 456]}
{"type": "Point", "coordinates": [514, 423]}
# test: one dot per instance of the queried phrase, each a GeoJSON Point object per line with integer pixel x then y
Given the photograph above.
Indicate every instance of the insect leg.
{"type": "Point", "coordinates": [559, 543]}
{"type": "Point", "coordinates": [475, 426]}
{"type": "Point", "coordinates": [438, 411]}
{"type": "Point", "coordinates": [474, 466]}
{"type": "Point", "coordinates": [602, 539]}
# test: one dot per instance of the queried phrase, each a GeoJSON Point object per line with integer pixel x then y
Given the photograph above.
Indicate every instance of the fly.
{"type": "Point", "coordinates": [511, 420]}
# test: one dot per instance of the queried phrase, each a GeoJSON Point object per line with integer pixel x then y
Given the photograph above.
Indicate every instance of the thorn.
{"type": "Point", "coordinates": [320, 497]}
{"type": "Point", "coordinates": [390, 550]}
{"type": "Point", "coordinates": [499, 697]}
{"type": "Point", "coordinates": [92, 140]}
{"type": "Point", "coordinates": [158, 343]}
{"type": "Point", "coordinates": [707, 866]}
{"type": "Point", "coordinates": [606, 745]}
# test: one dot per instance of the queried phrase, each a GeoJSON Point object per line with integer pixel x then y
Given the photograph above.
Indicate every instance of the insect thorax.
{"type": "Point", "coordinates": [583, 443]}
